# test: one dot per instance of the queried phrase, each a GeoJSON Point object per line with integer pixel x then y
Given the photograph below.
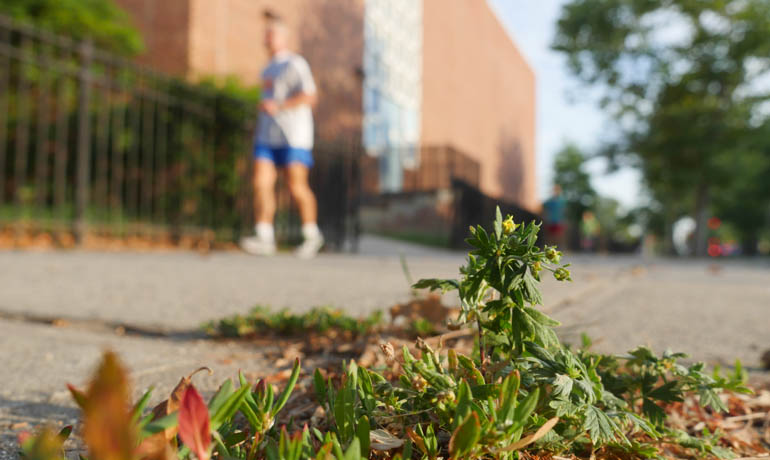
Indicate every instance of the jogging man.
{"type": "Point", "coordinates": [284, 142]}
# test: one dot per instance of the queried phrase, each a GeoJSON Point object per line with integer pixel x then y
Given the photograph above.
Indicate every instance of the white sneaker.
{"type": "Point", "coordinates": [310, 247]}
{"type": "Point", "coordinates": [258, 247]}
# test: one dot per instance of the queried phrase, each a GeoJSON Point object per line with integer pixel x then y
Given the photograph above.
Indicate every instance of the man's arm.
{"type": "Point", "coordinates": [272, 107]}
{"type": "Point", "coordinates": [299, 99]}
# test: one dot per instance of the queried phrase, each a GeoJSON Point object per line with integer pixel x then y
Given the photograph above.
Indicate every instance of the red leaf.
{"type": "Point", "coordinates": [194, 424]}
{"type": "Point", "coordinates": [23, 437]}
{"type": "Point", "coordinates": [79, 397]}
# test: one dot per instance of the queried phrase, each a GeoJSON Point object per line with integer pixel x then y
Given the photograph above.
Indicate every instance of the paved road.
{"type": "Point", "coordinates": [717, 315]}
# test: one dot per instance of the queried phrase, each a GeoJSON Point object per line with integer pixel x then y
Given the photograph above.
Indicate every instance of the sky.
{"type": "Point", "coordinates": [566, 112]}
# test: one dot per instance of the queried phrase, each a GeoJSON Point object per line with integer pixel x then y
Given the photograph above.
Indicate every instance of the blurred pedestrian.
{"type": "Point", "coordinates": [284, 142]}
{"type": "Point", "coordinates": [554, 209]}
{"type": "Point", "coordinates": [589, 231]}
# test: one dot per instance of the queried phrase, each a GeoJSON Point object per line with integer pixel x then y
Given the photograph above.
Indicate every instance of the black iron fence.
{"type": "Point", "coordinates": [472, 207]}
{"type": "Point", "coordinates": [91, 143]}
{"type": "Point", "coordinates": [439, 166]}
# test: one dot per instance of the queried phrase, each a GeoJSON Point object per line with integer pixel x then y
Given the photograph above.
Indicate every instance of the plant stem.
{"type": "Point", "coordinates": [482, 352]}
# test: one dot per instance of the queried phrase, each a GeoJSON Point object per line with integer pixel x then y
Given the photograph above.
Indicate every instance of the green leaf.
{"type": "Point", "coordinates": [710, 398]}
{"type": "Point", "coordinates": [668, 392]}
{"type": "Point", "coordinates": [140, 405]}
{"type": "Point", "coordinates": [562, 386]}
{"type": "Point", "coordinates": [320, 387]}
{"type": "Point", "coordinates": [541, 317]}
{"type": "Point", "coordinates": [600, 426]}
{"type": "Point", "coordinates": [463, 407]}
{"type": "Point", "coordinates": [531, 288]}
{"type": "Point", "coordinates": [465, 436]}
{"type": "Point", "coordinates": [354, 451]}
{"type": "Point", "coordinates": [485, 391]}
{"type": "Point", "coordinates": [161, 424]}
{"type": "Point", "coordinates": [344, 414]}
{"type": "Point", "coordinates": [525, 408]}
{"type": "Point", "coordinates": [224, 392]}
{"type": "Point", "coordinates": [498, 223]}
{"type": "Point", "coordinates": [228, 408]}
{"type": "Point", "coordinates": [362, 434]}
{"type": "Point", "coordinates": [509, 392]}
{"type": "Point", "coordinates": [444, 285]}
{"type": "Point", "coordinates": [653, 411]}
{"type": "Point", "coordinates": [287, 389]}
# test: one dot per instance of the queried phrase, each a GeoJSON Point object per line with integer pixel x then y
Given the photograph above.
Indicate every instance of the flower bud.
{"type": "Point", "coordinates": [562, 274]}
{"type": "Point", "coordinates": [553, 255]}
{"type": "Point", "coordinates": [419, 383]}
{"type": "Point", "coordinates": [508, 225]}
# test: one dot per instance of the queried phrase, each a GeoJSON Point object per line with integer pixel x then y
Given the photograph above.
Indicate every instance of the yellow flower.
{"type": "Point", "coordinates": [508, 225]}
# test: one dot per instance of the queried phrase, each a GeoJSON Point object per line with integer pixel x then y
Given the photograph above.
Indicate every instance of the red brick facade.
{"type": "Point", "coordinates": [479, 96]}
{"type": "Point", "coordinates": [478, 91]}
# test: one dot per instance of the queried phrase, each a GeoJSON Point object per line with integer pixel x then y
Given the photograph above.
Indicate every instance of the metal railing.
{"type": "Point", "coordinates": [438, 167]}
{"type": "Point", "coordinates": [91, 143]}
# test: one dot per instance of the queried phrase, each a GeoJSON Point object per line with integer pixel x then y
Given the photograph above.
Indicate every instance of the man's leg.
{"type": "Point", "coordinates": [297, 176]}
{"type": "Point", "coordinates": [299, 187]}
{"type": "Point", "coordinates": [265, 175]}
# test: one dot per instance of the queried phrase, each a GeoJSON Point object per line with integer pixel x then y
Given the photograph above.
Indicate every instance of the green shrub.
{"type": "Point", "coordinates": [262, 320]}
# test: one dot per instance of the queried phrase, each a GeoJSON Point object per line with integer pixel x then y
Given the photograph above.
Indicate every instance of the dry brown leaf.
{"type": "Point", "coordinates": [383, 440]}
{"type": "Point", "coordinates": [174, 400]}
{"type": "Point", "coordinates": [542, 431]}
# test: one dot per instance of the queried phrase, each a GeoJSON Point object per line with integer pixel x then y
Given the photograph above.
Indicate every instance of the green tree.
{"type": "Point", "coordinates": [680, 77]}
{"type": "Point", "coordinates": [100, 20]}
{"type": "Point", "coordinates": [746, 204]}
{"type": "Point", "coordinates": [569, 173]}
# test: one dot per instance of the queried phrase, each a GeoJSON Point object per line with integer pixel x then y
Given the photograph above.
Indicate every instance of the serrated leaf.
{"type": "Point", "coordinates": [562, 385]}
{"type": "Point", "coordinates": [541, 317]}
{"type": "Point", "coordinates": [710, 398]}
{"type": "Point", "coordinates": [444, 285]}
{"type": "Point", "coordinates": [653, 411]}
{"type": "Point", "coordinates": [667, 392]}
{"type": "Point", "coordinates": [601, 428]}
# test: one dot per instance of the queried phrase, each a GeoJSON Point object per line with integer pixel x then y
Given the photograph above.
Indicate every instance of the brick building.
{"type": "Point", "coordinates": [407, 75]}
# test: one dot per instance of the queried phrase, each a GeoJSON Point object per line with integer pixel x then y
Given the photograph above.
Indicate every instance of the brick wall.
{"type": "Point", "coordinates": [165, 28]}
{"type": "Point", "coordinates": [479, 96]}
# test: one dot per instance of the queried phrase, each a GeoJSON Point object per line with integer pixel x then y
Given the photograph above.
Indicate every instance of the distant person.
{"type": "Point", "coordinates": [284, 141]}
{"type": "Point", "coordinates": [554, 209]}
{"type": "Point", "coordinates": [589, 231]}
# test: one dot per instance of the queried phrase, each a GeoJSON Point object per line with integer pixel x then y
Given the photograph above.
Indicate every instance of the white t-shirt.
{"type": "Point", "coordinates": [287, 75]}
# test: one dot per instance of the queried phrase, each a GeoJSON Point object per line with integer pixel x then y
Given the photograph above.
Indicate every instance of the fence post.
{"type": "Point", "coordinates": [85, 52]}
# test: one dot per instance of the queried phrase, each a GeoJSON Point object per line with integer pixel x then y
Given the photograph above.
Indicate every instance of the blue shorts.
{"type": "Point", "coordinates": [282, 156]}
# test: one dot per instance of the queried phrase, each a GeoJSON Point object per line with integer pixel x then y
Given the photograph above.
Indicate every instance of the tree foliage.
{"type": "Point", "coordinates": [100, 20]}
{"type": "Point", "coordinates": [569, 168]}
{"type": "Point", "coordinates": [681, 77]}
